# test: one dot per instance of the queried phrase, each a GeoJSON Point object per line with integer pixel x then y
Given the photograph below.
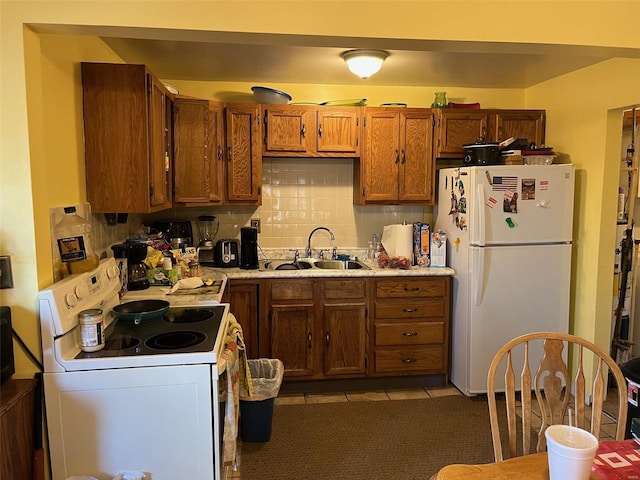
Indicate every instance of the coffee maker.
{"type": "Point", "coordinates": [249, 248]}
{"type": "Point", "coordinates": [136, 253]}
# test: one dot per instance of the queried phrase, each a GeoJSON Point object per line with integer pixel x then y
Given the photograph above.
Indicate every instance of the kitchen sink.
{"type": "Point", "coordinates": [285, 265]}
{"type": "Point", "coordinates": [312, 263]}
{"type": "Point", "coordinates": [340, 265]}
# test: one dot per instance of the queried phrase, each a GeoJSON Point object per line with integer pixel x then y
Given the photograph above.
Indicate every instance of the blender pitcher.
{"type": "Point", "coordinates": [208, 229]}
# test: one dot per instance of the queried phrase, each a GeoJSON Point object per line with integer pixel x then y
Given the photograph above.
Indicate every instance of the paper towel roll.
{"type": "Point", "coordinates": [397, 240]}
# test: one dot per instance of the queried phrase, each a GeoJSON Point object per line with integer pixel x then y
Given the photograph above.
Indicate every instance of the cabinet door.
{"type": "Point", "coordinates": [338, 131]}
{"type": "Point", "coordinates": [288, 129]}
{"type": "Point", "coordinates": [125, 139]}
{"type": "Point", "coordinates": [159, 143]}
{"type": "Point", "coordinates": [381, 156]}
{"type": "Point", "coordinates": [197, 127]}
{"type": "Point", "coordinates": [528, 124]}
{"type": "Point", "coordinates": [344, 332]}
{"type": "Point", "coordinates": [455, 128]}
{"type": "Point", "coordinates": [243, 300]}
{"type": "Point", "coordinates": [417, 171]}
{"type": "Point", "coordinates": [244, 161]}
{"type": "Point", "coordinates": [292, 338]}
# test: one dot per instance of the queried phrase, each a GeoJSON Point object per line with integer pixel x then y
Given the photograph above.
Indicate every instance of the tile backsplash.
{"type": "Point", "coordinates": [298, 194]}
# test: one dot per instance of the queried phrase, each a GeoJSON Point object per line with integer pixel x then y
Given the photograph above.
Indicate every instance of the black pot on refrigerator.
{"type": "Point", "coordinates": [249, 248]}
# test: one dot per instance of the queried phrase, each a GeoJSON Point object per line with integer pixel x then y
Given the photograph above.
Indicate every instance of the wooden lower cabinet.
{"type": "Point", "coordinates": [244, 299]}
{"type": "Point", "coordinates": [411, 326]}
{"type": "Point", "coordinates": [17, 411]}
{"type": "Point", "coordinates": [318, 326]}
{"type": "Point", "coordinates": [322, 328]}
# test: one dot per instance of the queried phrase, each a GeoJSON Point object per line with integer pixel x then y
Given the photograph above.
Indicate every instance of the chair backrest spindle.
{"type": "Point", "coordinates": [553, 390]}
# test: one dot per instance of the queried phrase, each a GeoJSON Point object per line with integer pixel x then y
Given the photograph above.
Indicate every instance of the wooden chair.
{"type": "Point", "coordinates": [553, 389]}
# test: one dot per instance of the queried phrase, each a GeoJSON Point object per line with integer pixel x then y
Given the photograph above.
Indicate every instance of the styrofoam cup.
{"type": "Point", "coordinates": [571, 451]}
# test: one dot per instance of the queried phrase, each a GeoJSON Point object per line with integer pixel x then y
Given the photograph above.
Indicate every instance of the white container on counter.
{"type": "Point", "coordinates": [91, 330]}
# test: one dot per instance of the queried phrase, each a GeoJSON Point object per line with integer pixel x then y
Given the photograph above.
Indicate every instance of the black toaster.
{"type": "Point", "coordinates": [226, 253]}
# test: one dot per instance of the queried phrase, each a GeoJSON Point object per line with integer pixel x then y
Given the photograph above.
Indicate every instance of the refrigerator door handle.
{"type": "Point", "coordinates": [478, 273]}
{"type": "Point", "coordinates": [480, 217]}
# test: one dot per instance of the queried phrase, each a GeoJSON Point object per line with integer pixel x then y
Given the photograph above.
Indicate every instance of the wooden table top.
{"type": "Point", "coordinates": [527, 467]}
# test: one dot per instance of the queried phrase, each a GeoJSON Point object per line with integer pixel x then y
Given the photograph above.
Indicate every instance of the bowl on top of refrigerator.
{"type": "Point", "coordinates": [270, 95]}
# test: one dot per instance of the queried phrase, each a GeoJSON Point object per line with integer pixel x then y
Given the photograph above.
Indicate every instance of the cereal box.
{"type": "Point", "coordinates": [438, 249]}
{"type": "Point", "coordinates": [421, 256]}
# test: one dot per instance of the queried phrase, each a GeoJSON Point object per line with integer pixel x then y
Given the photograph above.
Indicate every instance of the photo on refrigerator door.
{"type": "Point", "coordinates": [528, 189]}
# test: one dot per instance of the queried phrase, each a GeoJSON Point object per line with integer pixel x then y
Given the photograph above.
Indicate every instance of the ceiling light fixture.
{"type": "Point", "coordinates": [364, 63]}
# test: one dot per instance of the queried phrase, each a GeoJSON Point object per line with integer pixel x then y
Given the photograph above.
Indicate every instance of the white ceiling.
{"type": "Point", "coordinates": [266, 59]}
{"type": "Point", "coordinates": [265, 64]}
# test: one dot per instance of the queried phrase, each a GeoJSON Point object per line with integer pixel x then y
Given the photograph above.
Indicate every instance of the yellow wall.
{"type": "Point", "coordinates": [579, 125]}
{"type": "Point", "coordinates": [40, 140]}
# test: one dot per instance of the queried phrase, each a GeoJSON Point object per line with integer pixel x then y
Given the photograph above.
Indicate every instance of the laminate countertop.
{"type": "Point", "coordinates": [238, 273]}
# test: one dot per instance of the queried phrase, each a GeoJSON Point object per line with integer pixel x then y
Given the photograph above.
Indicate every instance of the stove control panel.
{"type": "Point", "coordinates": [64, 300]}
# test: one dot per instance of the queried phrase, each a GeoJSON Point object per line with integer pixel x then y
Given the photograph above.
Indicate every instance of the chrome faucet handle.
{"type": "Point", "coordinates": [321, 253]}
{"type": "Point", "coordinates": [296, 254]}
{"type": "Point", "coordinates": [334, 253]}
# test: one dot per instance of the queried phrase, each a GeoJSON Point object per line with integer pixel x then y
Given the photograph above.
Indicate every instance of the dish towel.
{"type": "Point", "coordinates": [238, 378]}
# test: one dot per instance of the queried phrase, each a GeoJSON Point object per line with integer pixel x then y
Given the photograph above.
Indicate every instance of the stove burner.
{"type": "Point", "coordinates": [121, 342]}
{"type": "Point", "coordinates": [175, 340]}
{"type": "Point", "coordinates": [189, 316]}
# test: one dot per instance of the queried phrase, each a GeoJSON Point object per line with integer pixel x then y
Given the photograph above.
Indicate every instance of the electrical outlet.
{"type": "Point", "coordinates": [255, 223]}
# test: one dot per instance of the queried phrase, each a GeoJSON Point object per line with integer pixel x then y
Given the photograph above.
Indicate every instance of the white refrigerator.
{"type": "Point", "coordinates": [509, 234]}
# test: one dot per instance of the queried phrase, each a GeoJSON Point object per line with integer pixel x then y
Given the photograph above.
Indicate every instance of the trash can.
{"type": "Point", "coordinates": [256, 412]}
{"type": "Point", "coordinates": [631, 372]}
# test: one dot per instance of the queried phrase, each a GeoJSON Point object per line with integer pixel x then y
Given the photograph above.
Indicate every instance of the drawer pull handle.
{"type": "Point", "coordinates": [327, 338]}
{"type": "Point", "coordinates": [409, 360]}
{"type": "Point", "coordinates": [309, 340]}
{"type": "Point", "coordinates": [411, 289]}
{"type": "Point", "coordinates": [409, 310]}
{"type": "Point", "coordinates": [409, 334]}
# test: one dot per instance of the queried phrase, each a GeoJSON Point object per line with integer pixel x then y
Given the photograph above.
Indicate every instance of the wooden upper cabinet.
{"type": "Point", "coordinates": [243, 154]}
{"type": "Point", "coordinates": [396, 164]}
{"type": "Point", "coordinates": [338, 131]}
{"type": "Point", "coordinates": [458, 127]}
{"type": "Point", "coordinates": [198, 151]}
{"type": "Point", "coordinates": [127, 122]}
{"type": "Point", "coordinates": [417, 168]}
{"type": "Point", "coordinates": [288, 129]}
{"type": "Point", "coordinates": [526, 124]}
{"type": "Point", "coordinates": [311, 131]}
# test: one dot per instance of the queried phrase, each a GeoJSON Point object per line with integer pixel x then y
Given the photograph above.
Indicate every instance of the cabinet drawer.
{"type": "Point", "coordinates": [418, 308]}
{"type": "Point", "coordinates": [292, 290]}
{"type": "Point", "coordinates": [409, 333]}
{"type": "Point", "coordinates": [353, 288]}
{"type": "Point", "coordinates": [409, 359]}
{"type": "Point", "coordinates": [411, 287]}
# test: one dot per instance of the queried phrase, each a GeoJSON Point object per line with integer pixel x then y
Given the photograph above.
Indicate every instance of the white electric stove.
{"type": "Point", "coordinates": [150, 400]}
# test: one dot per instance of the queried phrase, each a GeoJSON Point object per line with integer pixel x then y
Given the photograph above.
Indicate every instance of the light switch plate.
{"type": "Point", "coordinates": [6, 277]}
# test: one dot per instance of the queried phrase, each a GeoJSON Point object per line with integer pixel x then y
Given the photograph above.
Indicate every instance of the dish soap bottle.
{"type": "Point", "coordinates": [73, 237]}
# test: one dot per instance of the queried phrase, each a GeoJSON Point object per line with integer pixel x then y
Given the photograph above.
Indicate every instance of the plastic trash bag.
{"type": "Point", "coordinates": [266, 377]}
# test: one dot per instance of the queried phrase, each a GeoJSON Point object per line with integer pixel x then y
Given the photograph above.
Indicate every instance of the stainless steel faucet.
{"type": "Point", "coordinates": [308, 249]}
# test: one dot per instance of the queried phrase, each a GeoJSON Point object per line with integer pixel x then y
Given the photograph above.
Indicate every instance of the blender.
{"type": "Point", "coordinates": [208, 229]}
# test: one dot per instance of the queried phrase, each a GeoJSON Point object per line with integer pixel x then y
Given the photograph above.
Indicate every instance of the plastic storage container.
{"type": "Point", "coordinates": [73, 237]}
{"type": "Point", "coordinates": [631, 372]}
{"type": "Point", "coordinates": [256, 412]}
